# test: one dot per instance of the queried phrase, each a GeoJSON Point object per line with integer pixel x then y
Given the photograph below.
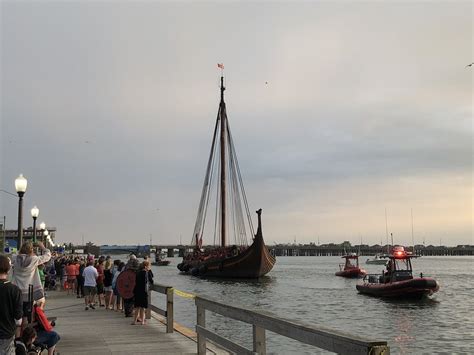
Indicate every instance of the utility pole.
{"type": "Point", "coordinates": [3, 234]}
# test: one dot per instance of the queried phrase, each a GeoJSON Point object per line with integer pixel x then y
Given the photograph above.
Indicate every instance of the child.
{"type": "Point", "coordinates": [44, 329]}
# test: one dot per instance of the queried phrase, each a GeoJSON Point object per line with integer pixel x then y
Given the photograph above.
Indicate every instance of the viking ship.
{"type": "Point", "coordinates": [226, 257]}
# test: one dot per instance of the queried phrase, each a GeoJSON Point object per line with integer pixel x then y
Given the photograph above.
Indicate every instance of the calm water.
{"type": "Point", "coordinates": [305, 289]}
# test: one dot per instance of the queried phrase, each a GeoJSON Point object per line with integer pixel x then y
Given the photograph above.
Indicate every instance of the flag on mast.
{"type": "Point", "coordinates": [220, 65]}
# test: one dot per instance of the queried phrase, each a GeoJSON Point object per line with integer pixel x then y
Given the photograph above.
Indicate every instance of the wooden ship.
{"type": "Point", "coordinates": [226, 257]}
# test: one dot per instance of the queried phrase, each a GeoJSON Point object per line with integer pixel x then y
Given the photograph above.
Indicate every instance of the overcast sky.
{"type": "Point", "coordinates": [108, 109]}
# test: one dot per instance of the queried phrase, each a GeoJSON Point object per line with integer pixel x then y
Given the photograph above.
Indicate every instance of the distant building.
{"type": "Point", "coordinates": [11, 235]}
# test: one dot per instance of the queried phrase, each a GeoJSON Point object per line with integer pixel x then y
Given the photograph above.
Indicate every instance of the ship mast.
{"type": "Point", "coordinates": [223, 117]}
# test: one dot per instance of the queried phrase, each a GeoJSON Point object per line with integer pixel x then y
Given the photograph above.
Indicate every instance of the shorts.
{"type": "Point", "coordinates": [100, 289]}
{"type": "Point", "coordinates": [89, 290]}
{"type": "Point", "coordinates": [49, 339]}
{"type": "Point", "coordinates": [108, 288]}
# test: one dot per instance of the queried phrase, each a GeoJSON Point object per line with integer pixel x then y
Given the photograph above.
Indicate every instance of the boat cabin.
{"type": "Point", "coordinates": [352, 262]}
{"type": "Point", "coordinates": [399, 266]}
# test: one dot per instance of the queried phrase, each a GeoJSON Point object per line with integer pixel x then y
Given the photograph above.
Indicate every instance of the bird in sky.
{"type": "Point", "coordinates": [470, 65]}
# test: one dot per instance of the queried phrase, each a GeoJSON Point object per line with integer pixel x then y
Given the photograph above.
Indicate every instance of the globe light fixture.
{"type": "Point", "coordinates": [20, 184]}
{"type": "Point", "coordinates": [34, 213]}
{"type": "Point", "coordinates": [20, 187]}
{"type": "Point", "coordinates": [42, 226]}
{"type": "Point", "coordinates": [45, 234]}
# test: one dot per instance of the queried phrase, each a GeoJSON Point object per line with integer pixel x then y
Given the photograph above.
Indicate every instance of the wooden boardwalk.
{"type": "Point", "coordinates": [103, 331]}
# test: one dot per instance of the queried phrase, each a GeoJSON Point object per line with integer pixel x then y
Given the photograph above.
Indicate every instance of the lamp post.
{"type": "Point", "coordinates": [42, 228]}
{"type": "Point", "coordinates": [45, 234]}
{"type": "Point", "coordinates": [34, 213]}
{"type": "Point", "coordinates": [20, 186]}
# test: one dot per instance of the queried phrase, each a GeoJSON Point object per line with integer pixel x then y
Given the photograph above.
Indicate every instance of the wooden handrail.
{"type": "Point", "coordinates": [261, 321]}
{"type": "Point", "coordinates": [168, 313]}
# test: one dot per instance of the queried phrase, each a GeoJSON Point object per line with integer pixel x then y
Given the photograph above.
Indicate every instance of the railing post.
{"type": "Point", "coordinates": [148, 310]}
{"type": "Point", "coordinates": [201, 321]}
{"type": "Point", "coordinates": [169, 310]}
{"type": "Point", "coordinates": [379, 350]}
{"type": "Point", "coordinates": [259, 340]}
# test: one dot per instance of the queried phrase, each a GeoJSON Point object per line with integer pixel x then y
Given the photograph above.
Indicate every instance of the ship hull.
{"type": "Point", "coordinates": [253, 262]}
{"type": "Point", "coordinates": [352, 273]}
{"type": "Point", "coordinates": [376, 262]}
{"type": "Point", "coordinates": [416, 288]}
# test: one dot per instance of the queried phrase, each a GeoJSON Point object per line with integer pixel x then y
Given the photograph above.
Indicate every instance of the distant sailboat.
{"type": "Point", "coordinates": [238, 260]}
{"type": "Point", "coordinates": [380, 258]}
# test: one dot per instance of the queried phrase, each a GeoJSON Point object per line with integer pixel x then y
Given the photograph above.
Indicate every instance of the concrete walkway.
{"type": "Point", "coordinates": [103, 331]}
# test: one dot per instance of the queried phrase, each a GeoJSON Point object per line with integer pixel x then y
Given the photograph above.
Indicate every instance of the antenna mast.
{"type": "Point", "coordinates": [386, 230]}
{"type": "Point", "coordinates": [223, 117]}
{"type": "Point", "coordinates": [412, 235]}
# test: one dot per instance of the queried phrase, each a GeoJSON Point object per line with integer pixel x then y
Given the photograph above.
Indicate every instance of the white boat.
{"type": "Point", "coordinates": [378, 259]}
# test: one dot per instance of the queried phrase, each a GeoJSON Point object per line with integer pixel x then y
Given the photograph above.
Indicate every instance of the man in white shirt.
{"type": "Point", "coordinates": [90, 275]}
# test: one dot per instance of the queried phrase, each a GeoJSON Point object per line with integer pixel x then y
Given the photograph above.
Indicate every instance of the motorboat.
{"type": "Point", "coordinates": [378, 259]}
{"type": "Point", "coordinates": [397, 281]}
{"type": "Point", "coordinates": [351, 267]}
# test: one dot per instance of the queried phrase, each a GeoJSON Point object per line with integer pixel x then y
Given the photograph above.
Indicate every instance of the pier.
{"type": "Point", "coordinates": [102, 331]}
{"type": "Point", "coordinates": [286, 250]}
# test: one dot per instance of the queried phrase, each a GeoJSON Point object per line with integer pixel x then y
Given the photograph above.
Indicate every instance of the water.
{"type": "Point", "coordinates": [305, 289]}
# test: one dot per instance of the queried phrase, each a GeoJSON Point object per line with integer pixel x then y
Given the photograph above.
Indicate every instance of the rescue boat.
{"type": "Point", "coordinates": [351, 267]}
{"type": "Point", "coordinates": [397, 280]}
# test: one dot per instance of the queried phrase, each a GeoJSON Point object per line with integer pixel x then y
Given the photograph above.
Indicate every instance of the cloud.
{"type": "Point", "coordinates": [108, 109]}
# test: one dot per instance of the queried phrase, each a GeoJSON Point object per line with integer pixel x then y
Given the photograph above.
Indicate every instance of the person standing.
{"type": "Point", "coordinates": [116, 300]}
{"type": "Point", "coordinates": [25, 273]}
{"type": "Point", "coordinates": [90, 275]}
{"type": "Point", "coordinates": [71, 271]}
{"type": "Point", "coordinates": [80, 278]}
{"type": "Point", "coordinates": [100, 282]}
{"type": "Point", "coordinates": [108, 277]}
{"type": "Point", "coordinates": [11, 309]}
{"type": "Point", "coordinates": [140, 292]}
{"type": "Point", "coordinates": [132, 264]}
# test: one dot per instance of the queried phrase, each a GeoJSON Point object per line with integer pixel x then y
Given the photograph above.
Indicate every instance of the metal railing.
{"type": "Point", "coordinates": [261, 322]}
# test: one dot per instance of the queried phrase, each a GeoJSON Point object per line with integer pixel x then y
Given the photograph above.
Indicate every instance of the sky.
{"type": "Point", "coordinates": [340, 111]}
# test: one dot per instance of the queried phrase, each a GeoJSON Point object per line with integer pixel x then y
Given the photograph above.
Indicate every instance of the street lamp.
{"type": "Point", "coordinates": [20, 186]}
{"type": "Point", "coordinates": [42, 228]}
{"type": "Point", "coordinates": [34, 213]}
{"type": "Point", "coordinates": [50, 241]}
{"type": "Point", "coordinates": [45, 234]}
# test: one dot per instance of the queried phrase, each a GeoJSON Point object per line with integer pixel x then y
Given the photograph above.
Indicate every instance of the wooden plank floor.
{"type": "Point", "coordinates": [108, 332]}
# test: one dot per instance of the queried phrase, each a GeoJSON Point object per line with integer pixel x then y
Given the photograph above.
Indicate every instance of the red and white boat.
{"type": "Point", "coordinates": [351, 267]}
{"type": "Point", "coordinates": [397, 280]}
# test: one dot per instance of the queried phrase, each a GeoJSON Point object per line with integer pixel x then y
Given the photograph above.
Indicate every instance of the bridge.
{"type": "Point", "coordinates": [282, 250]}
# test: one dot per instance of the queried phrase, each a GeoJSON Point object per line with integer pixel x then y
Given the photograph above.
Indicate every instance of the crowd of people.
{"type": "Point", "coordinates": [27, 278]}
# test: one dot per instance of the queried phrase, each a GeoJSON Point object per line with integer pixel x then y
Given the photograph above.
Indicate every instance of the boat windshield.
{"type": "Point", "coordinates": [351, 263]}
{"type": "Point", "coordinates": [403, 264]}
